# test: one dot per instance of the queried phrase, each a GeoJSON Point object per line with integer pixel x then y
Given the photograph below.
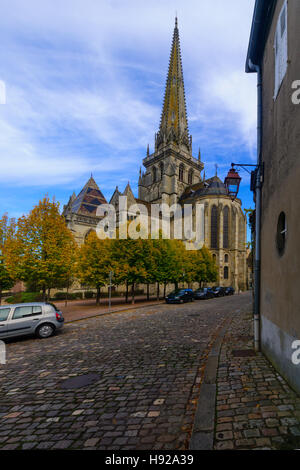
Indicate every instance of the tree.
{"type": "Point", "coordinates": [42, 250]}
{"type": "Point", "coordinates": [6, 281]}
{"type": "Point", "coordinates": [166, 263]}
{"type": "Point", "coordinates": [129, 263]}
{"type": "Point", "coordinates": [94, 262]}
{"type": "Point", "coordinates": [210, 273]}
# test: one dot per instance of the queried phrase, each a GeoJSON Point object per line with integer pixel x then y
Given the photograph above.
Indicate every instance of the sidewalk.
{"type": "Point", "coordinates": [255, 408]}
{"type": "Point", "coordinates": [82, 309]}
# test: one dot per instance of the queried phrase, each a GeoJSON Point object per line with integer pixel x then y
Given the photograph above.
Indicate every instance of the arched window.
{"type": "Point", "coordinates": [226, 259]}
{"type": "Point", "coordinates": [215, 258]}
{"type": "Point", "coordinates": [242, 240]}
{"type": "Point", "coordinates": [161, 167]}
{"type": "Point", "coordinates": [154, 175]}
{"type": "Point", "coordinates": [226, 272]}
{"type": "Point", "coordinates": [191, 176]}
{"type": "Point", "coordinates": [226, 227]}
{"type": "Point", "coordinates": [181, 173]}
{"type": "Point", "coordinates": [214, 228]}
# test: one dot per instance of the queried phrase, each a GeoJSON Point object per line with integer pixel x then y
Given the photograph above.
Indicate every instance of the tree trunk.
{"type": "Point", "coordinates": [148, 293]}
{"type": "Point", "coordinates": [48, 294]}
{"type": "Point", "coordinates": [132, 293]}
{"type": "Point", "coordinates": [176, 285]}
{"type": "Point", "coordinates": [98, 295]}
{"type": "Point", "coordinates": [66, 298]}
{"type": "Point", "coordinates": [44, 293]}
{"type": "Point", "coordinates": [126, 291]}
{"type": "Point", "coordinates": [165, 287]}
{"type": "Point", "coordinates": [157, 294]}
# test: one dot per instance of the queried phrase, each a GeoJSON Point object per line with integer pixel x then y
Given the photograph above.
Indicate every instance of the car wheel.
{"type": "Point", "coordinates": [45, 331]}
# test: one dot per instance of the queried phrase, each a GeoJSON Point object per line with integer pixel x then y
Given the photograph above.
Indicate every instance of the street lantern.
{"type": "Point", "coordinates": [232, 183]}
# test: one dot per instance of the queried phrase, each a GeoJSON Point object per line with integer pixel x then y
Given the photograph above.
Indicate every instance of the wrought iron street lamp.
{"type": "Point", "coordinates": [232, 182]}
{"type": "Point", "coordinates": [233, 179]}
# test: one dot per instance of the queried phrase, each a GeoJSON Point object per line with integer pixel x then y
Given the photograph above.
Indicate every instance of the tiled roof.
{"type": "Point", "coordinates": [88, 200]}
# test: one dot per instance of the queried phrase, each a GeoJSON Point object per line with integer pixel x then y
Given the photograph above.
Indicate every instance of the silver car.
{"type": "Point", "coordinates": [39, 318]}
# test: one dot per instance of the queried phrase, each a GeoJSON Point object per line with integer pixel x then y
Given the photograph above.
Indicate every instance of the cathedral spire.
{"type": "Point", "coordinates": [174, 123]}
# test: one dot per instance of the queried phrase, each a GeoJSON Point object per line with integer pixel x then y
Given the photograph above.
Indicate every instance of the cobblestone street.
{"type": "Point", "coordinates": [145, 369]}
{"type": "Point", "coordinates": [256, 409]}
{"type": "Point", "coordinates": [148, 362]}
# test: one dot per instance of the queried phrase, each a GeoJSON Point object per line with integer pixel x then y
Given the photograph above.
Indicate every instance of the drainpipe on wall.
{"type": "Point", "coordinates": [258, 186]}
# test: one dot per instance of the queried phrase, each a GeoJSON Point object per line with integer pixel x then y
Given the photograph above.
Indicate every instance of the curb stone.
{"type": "Point", "coordinates": [204, 424]}
{"type": "Point", "coordinates": [135, 307]}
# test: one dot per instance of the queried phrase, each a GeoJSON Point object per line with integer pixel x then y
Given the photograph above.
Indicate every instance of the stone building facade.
{"type": "Point", "coordinates": [172, 175]}
{"type": "Point", "coordinates": [274, 48]}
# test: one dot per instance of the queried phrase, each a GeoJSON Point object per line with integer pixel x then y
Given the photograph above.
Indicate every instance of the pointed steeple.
{"type": "Point", "coordinates": [174, 123]}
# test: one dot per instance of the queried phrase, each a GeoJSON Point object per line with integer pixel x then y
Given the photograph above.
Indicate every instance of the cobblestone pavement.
{"type": "Point", "coordinates": [148, 365]}
{"type": "Point", "coordinates": [256, 409]}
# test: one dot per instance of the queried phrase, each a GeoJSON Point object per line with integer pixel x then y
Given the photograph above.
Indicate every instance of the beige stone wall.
{"type": "Point", "coordinates": [280, 298]}
{"type": "Point", "coordinates": [280, 274]}
{"type": "Point", "coordinates": [237, 237]}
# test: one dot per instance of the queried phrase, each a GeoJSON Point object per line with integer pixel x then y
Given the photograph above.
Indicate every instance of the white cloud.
{"type": "Point", "coordinates": [85, 72]}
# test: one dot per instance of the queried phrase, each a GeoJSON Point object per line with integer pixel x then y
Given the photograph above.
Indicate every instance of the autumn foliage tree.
{"type": "Point", "coordinates": [42, 250]}
{"type": "Point", "coordinates": [6, 281]}
{"type": "Point", "coordinates": [129, 262]}
{"type": "Point", "coordinates": [94, 263]}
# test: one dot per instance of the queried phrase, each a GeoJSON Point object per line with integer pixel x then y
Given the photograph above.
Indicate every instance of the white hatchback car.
{"type": "Point", "coordinates": [39, 318]}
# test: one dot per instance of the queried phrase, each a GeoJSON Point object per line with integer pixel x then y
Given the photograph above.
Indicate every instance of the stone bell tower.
{"type": "Point", "coordinates": [172, 167]}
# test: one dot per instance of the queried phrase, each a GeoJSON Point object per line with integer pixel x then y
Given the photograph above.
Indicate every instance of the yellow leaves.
{"type": "Point", "coordinates": [94, 261]}
{"type": "Point", "coordinates": [42, 248]}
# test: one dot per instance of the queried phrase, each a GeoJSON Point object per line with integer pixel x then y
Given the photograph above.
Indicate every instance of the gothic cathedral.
{"type": "Point", "coordinates": [172, 175]}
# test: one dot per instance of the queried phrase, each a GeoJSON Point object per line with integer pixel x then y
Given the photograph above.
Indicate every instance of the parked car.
{"type": "Point", "coordinates": [229, 291]}
{"type": "Point", "coordinates": [180, 296]}
{"type": "Point", "coordinates": [203, 294]}
{"type": "Point", "coordinates": [39, 318]}
{"type": "Point", "coordinates": [218, 291]}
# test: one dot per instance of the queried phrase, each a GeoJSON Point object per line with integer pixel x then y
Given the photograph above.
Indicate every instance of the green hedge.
{"type": "Point", "coordinates": [89, 295]}
{"type": "Point", "coordinates": [23, 297]}
{"type": "Point", "coordinates": [69, 295]}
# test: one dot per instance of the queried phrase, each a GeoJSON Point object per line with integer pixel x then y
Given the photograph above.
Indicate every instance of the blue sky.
{"type": "Point", "coordinates": [85, 83]}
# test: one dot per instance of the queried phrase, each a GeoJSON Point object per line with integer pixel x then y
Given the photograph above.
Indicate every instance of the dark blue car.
{"type": "Point", "coordinates": [180, 296]}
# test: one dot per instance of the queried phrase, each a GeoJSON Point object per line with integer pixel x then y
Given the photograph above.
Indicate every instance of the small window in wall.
{"type": "Point", "coordinates": [161, 167]}
{"type": "Point", "coordinates": [226, 258]}
{"type": "Point", "coordinates": [281, 49]}
{"type": "Point", "coordinates": [226, 272]}
{"type": "Point", "coordinates": [191, 177]}
{"type": "Point", "coordinates": [154, 175]}
{"type": "Point", "coordinates": [181, 173]}
{"type": "Point", "coordinates": [281, 234]}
